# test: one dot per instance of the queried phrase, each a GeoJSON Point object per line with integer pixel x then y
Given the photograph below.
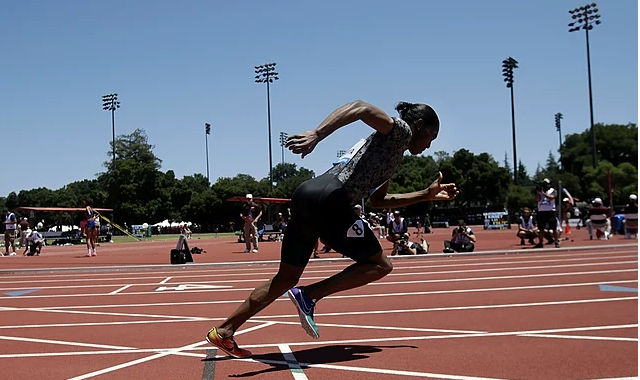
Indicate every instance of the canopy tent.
{"type": "Point", "coordinates": [259, 199]}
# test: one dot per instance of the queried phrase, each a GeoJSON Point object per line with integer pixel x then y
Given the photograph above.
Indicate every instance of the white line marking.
{"type": "Point", "coordinates": [159, 355]}
{"type": "Point", "coordinates": [612, 338]}
{"type": "Point", "coordinates": [315, 342]}
{"type": "Point", "coordinates": [375, 283]}
{"type": "Point", "coordinates": [110, 313]}
{"type": "Point", "coordinates": [376, 370]}
{"type": "Point", "coordinates": [430, 337]}
{"type": "Point", "coordinates": [431, 264]}
{"type": "Point", "coordinates": [260, 318]}
{"type": "Point", "coordinates": [165, 280]}
{"type": "Point", "coordinates": [387, 328]}
{"type": "Point", "coordinates": [292, 362]}
{"type": "Point", "coordinates": [121, 289]}
{"type": "Point", "coordinates": [450, 308]}
{"type": "Point", "coordinates": [181, 291]}
{"type": "Point", "coordinates": [62, 342]}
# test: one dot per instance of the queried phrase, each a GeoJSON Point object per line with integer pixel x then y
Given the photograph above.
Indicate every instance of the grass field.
{"type": "Point", "coordinates": [172, 237]}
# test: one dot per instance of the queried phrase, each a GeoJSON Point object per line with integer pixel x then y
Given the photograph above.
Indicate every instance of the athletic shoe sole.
{"type": "Point", "coordinates": [306, 321]}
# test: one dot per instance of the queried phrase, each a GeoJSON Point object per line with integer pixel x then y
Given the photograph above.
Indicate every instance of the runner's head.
{"type": "Point", "coordinates": [424, 122]}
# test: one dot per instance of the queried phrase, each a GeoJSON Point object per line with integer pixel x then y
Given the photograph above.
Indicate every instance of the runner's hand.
{"type": "Point", "coordinates": [303, 143]}
{"type": "Point", "coordinates": [442, 192]}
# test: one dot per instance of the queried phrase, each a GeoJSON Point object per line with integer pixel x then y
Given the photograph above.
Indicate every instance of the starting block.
{"type": "Point", "coordinates": [181, 254]}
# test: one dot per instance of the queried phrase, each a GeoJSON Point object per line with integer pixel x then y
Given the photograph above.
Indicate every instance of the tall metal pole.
{"type": "Point", "coordinates": [507, 71]}
{"type": "Point", "coordinates": [266, 73]}
{"type": "Point", "coordinates": [513, 131]}
{"type": "Point", "coordinates": [558, 117]}
{"type": "Point", "coordinates": [270, 154]}
{"type": "Point", "coordinates": [586, 17]}
{"type": "Point", "coordinates": [593, 132]}
{"type": "Point", "coordinates": [113, 133]}
{"type": "Point", "coordinates": [207, 130]}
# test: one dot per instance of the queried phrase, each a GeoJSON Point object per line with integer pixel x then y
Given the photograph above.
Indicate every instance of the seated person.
{"type": "Point", "coordinates": [527, 228]}
{"type": "Point", "coordinates": [397, 227]}
{"type": "Point", "coordinates": [599, 220]}
{"type": "Point", "coordinates": [406, 247]}
{"type": "Point", "coordinates": [631, 217]}
{"type": "Point", "coordinates": [374, 222]}
{"type": "Point", "coordinates": [462, 239]}
{"type": "Point", "coordinates": [34, 242]}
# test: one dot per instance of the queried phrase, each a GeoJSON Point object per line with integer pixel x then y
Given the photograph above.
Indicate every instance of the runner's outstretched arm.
{"type": "Point", "coordinates": [373, 116]}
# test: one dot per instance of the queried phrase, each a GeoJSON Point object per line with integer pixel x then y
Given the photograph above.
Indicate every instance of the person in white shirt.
{"type": "Point", "coordinates": [34, 242]}
{"type": "Point", "coordinates": [546, 217]}
{"type": "Point", "coordinates": [10, 225]}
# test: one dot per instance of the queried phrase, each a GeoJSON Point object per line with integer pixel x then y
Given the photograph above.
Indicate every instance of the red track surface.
{"type": "Point", "coordinates": [540, 314]}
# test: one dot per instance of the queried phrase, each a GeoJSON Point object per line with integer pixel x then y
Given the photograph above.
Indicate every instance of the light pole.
{"type": "Point", "coordinates": [585, 18]}
{"type": "Point", "coordinates": [283, 140]}
{"type": "Point", "coordinates": [110, 103]}
{"type": "Point", "coordinates": [267, 74]}
{"type": "Point", "coordinates": [559, 129]}
{"type": "Point", "coordinates": [207, 132]}
{"type": "Point", "coordinates": [507, 71]}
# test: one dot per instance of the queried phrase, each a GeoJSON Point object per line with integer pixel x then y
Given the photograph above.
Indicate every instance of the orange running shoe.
{"type": "Point", "coordinates": [227, 345]}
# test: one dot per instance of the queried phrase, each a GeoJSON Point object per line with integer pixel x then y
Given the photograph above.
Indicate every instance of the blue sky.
{"type": "Point", "coordinates": [177, 65]}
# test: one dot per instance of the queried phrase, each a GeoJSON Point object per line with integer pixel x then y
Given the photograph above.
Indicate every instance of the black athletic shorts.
{"type": "Point", "coordinates": [546, 220]}
{"type": "Point", "coordinates": [320, 208]}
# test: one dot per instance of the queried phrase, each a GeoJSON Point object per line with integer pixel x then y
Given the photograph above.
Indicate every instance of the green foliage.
{"type": "Point", "coordinates": [519, 197]}
{"type": "Point", "coordinates": [140, 192]}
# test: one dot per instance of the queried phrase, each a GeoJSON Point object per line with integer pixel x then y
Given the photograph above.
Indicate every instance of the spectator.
{"type": "Point", "coordinates": [251, 214]}
{"type": "Point", "coordinates": [546, 198]}
{"type": "Point", "coordinates": [599, 220]}
{"type": "Point", "coordinates": [34, 244]}
{"type": "Point", "coordinates": [10, 226]}
{"type": "Point", "coordinates": [374, 222]}
{"type": "Point", "coordinates": [24, 226]}
{"type": "Point", "coordinates": [462, 239]}
{"type": "Point", "coordinates": [527, 228]}
{"type": "Point", "coordinates": [406, 247]}
{"type": "Point", "coordinates": [397, 227]}
{"type": "Point", "coordinates": [631, 217]}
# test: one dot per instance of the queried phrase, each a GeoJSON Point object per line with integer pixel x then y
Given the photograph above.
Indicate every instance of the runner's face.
{"type": "Point", "coordinates": [423, 136]}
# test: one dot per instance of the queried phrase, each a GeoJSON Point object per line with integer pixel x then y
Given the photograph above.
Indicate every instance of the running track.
{"type": "Point", "coordinates": [538, 315]}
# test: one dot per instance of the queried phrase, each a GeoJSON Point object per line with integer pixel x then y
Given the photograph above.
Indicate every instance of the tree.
{"type": "Point", "coordinates": [287, 178]}
{"type": "Point", "coordinates": [523, 175]}
{"type": "Point", "coordinates": [133, 182]}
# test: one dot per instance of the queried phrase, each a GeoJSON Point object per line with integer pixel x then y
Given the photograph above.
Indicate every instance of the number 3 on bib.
{"type": "Point", "coordinates": [356, 229]}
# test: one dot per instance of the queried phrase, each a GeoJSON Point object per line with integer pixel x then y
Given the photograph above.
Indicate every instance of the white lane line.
{"type": "Point", "coordinates": [112, 314]}
{"type": "Point", "coordinates": [371, 284]}
{"type": "Point", "coordinates": [165, 280]}
{"type": "Point", "coordinates": [194, 290]}
{"type": "Point", "coordinates": [292, 362]}
{"type": "Point", "coordinates": [64, 343]}
{"type": "Point", "coordinates": [432, 337]}
{"type": "Point", "coordinates": [377, 370]}
{"type": "Point", "coordinates": [160, 355]}
{"type": "Point", "coordinates": [451, 308]}
{"type": "Point", "coordinates": [431, 264]}
{"type": "Point", "coordinates": [375, 283]}
{"type": "Point", "coordinates": [586, 337]}
{"type": "Point", "coordinates": [386, 328]}
{"type": "Point", "coordinates": [319, 342]}
{"type": "Point", "coordinates": [261, 318]}
{"type": "Point", "coordinates": [121, 289]}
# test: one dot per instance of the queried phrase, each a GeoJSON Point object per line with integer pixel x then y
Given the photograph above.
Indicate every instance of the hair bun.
{"type": "Point", "coordinates": [403, 106]}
